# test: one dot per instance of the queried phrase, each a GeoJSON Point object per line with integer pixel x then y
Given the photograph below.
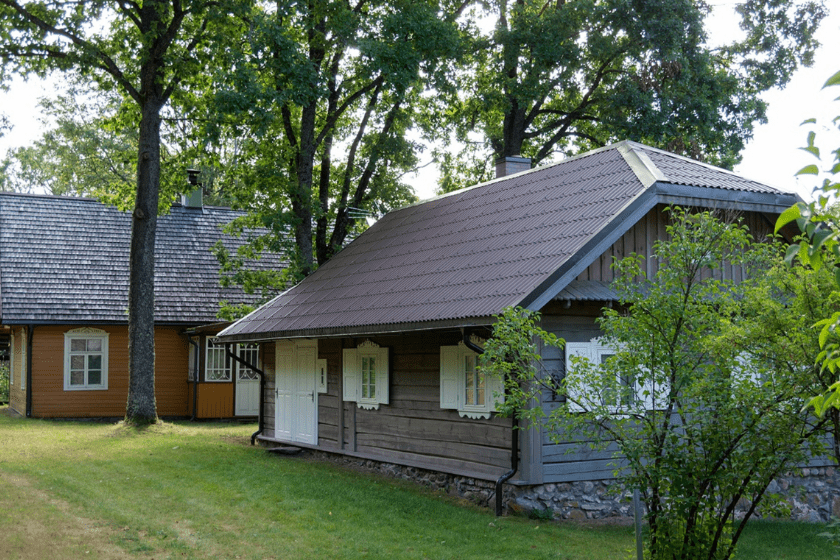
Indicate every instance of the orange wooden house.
{"type": "Point", "coordinates": [63, 299]}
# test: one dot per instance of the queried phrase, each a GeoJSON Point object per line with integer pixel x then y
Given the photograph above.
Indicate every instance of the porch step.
{"type": "Point", "coordinates": [284, 450]}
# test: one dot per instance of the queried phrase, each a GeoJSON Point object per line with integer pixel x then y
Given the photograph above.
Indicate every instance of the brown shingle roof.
{"type": "Point", "coordinates": [463, 257]}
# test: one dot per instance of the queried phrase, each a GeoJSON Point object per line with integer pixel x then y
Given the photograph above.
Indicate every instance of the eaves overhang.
{"type": "Point", "coordinates": [358, 330]}
{"type": "Point", "coordinates": [657, 193]}
{"type": "Point", "coordinates": [20, 321]}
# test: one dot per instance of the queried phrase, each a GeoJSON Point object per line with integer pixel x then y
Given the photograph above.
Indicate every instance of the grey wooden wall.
{"type": "Point", "coordinates": [412, 430]}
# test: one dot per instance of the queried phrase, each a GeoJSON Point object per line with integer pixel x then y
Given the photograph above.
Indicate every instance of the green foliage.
{"type": "Point", "coordinates": [512, 354]}
{"type": "Point", "coordinates": [4, 382]}
{"type": "Point", "coordinates": [320, 98]}
{"type": "Point", "coordinates": [832, 534]}
{"type": "Point", "coordinates": [820, 249]}
{"type": "Point", "coordinates": [701, 395]}
{"type": "Point", "coordinates": [83, 153]}
{"type": "Point", "coordinates": [561, 77]}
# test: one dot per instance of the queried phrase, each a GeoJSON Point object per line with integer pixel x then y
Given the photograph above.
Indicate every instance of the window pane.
{"type": "Point", "coordinates": [95, 362]}
{"type": "Point", "coordinates": [77, 362]}
{"type": "Point", "coordinates": [94, 345]}
{"type": "Point", "coordinates": [78, 345]}
{"type": "Point", "coordinates": [94, 377]}
{"type": "Point", "coordinates": [77, 377]}
{"type": "Point", "coordinates": [372, 376]}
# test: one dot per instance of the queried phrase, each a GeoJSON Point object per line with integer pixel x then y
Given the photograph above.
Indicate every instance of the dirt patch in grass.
{"type": "Point", "coordinates": [51, 528]}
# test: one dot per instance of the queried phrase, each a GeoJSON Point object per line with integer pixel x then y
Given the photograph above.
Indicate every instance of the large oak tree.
{"type": "Point", "coordinates": [549, 77]}
{"type": "Point", "coordinates": [148, 51]}
{"type": "Point", "coordinates": [321, 95]}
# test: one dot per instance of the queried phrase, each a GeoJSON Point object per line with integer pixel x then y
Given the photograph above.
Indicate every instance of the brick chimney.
{"type": "Point", "coordinates": [512, 164]}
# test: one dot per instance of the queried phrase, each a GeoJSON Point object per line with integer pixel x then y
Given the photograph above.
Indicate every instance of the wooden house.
{"type": "Point", "coordinates": [63, 307]}
{"type": "Point", "coordinates": [373, 355]}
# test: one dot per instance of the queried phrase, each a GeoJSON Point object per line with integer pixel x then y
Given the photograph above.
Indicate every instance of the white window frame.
{"type": "Point", "coordinates": [69, 353]}
{"type": "Point", "coordinates": [594, 351]}
{"type": "Point", "coordinates": [453, 382]}
{"type": "Point", "coordinates": [353, 359]}
{"type": "Point", "coordinates": [243, 348]}
{"type": "Point", "coordinates": [212, 348]}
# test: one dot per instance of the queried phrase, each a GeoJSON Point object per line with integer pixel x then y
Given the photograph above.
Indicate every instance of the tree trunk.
{"type": "Point", "coordinates": [141, 406]}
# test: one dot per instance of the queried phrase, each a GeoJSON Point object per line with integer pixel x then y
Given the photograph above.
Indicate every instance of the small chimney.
{"type": "Point", "coordinates": [194, 198]}
{"type": "Point", "coordinates": [511, 164]}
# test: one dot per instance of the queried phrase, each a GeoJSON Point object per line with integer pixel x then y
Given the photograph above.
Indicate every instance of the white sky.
{"type": "Point", "coordinates": [771, 157]}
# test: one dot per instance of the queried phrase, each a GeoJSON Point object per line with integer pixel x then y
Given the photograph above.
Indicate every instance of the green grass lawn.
{"type": "Point", "coordinates": [190, 491]}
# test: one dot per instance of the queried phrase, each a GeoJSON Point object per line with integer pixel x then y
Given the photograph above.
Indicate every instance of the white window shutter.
{"type": "Point", "coordinates": [449, 376]}
{"type": "Point", "coordinates": [350, 374]}
{"type": "Point", "coordinates": [575, 387]}
{"type": "Point", "coordinates": [382, 376]}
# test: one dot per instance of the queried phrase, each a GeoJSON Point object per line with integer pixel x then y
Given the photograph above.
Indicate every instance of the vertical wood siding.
{"type": "Point", "coordinates": [640, 238]}
{"type": "Point", "coordinates": [49, 399]}
{"type": "Point", "coordinates": [215, 400]}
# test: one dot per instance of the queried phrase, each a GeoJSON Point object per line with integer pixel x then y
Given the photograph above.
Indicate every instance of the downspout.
{"type": "Point", "coordinates": [514, 440]}
{"type": "Point", "coordinates": [196, 364]}
{"type": "Point", "coordinates": [30, 332]}
{"type": "Point", "coordinates": [259, 372]}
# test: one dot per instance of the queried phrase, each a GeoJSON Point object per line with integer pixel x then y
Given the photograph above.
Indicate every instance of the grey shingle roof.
{"type": "Point", "coordinates": [66, 260]}
{"type": "Point", "coordinates": [520, 240]}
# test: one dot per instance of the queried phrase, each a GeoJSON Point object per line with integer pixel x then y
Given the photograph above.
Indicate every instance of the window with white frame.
{"type": "Point", "coordinates": [217, 366]}
{"type": "Point", "coordinates": [614, 391]}
{"type": "Point", "coordinates": [463, 386]}
{"type": "Point", "coordinates": [85, 360]}
{"type": "Point", "coordinates": [250, 353]}
{"type": "Point", "coordinates": [365, 373]}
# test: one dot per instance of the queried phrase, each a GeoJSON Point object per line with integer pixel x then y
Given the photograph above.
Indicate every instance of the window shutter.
{"type": "Point", "coordinates": [382, 376]}
{"type": "Point", "coordinates": [350, 374]}
{"type": "Point", "coordinates": [449, 376]}
{"type": "Point", "coordinates": [575, 387]}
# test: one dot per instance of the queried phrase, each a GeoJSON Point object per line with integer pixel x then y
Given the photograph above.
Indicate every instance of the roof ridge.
{"type": "Point", "coordinates": [645, 148]}
{"type": "Point", "coordinates": [565, 160]}
{"type": "Point", "coordinates": [640, 164]}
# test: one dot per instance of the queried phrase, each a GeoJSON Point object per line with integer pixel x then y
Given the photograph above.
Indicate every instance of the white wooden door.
{"type": "Point", "coordinates": [306, 396]}
{"type": "Point", "coordinates": [247, 402]}
{"type": "Point", "coordinates": [296, 406]}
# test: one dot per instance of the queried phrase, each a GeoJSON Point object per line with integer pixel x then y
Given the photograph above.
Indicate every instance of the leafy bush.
{"type": "Point", "coordinates": [4, 383]}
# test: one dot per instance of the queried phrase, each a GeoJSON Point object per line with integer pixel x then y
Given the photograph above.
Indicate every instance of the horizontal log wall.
{"type": "Point", "coordinates": [412, 430]}
{"type": "Point", "coordinates": [49, 399]}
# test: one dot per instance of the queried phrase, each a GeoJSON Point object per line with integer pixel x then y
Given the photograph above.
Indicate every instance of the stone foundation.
{"type": "Point", "coordinates": [812, 493]}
